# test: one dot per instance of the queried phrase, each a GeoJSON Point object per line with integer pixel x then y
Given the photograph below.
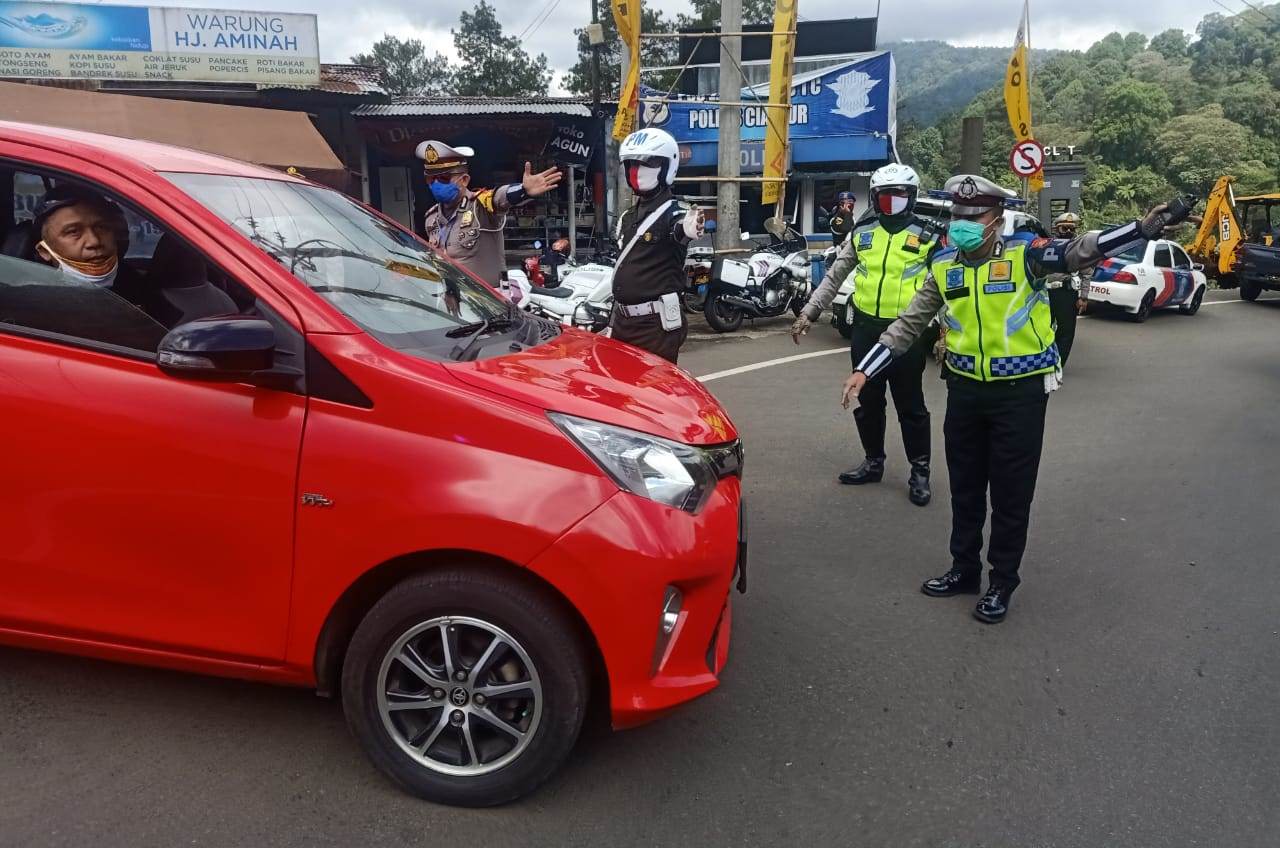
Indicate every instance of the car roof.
{"type": "Point", "coordinates": [145, 154]}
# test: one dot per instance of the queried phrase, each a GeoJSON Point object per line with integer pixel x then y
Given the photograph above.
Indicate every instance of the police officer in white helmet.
{"type": "Point", "coordinates": [654, 236]}
{"type": "Point", "coordinates": [889, 256]}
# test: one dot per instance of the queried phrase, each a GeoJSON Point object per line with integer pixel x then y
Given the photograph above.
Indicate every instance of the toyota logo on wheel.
{"type": "Point", "coordinates": [459, 697]}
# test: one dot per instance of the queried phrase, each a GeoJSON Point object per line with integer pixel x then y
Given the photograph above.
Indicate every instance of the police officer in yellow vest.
{"type": "Point", "coordinates": [1001, 364]}
{"type": "Point", "coordinates": [888, 256]}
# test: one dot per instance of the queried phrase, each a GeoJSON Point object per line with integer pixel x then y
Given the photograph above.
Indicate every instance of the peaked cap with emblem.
{"type": "Point", "coordinates": [440, 158]}
{"type": "Point", "coordinates": [973, 195]}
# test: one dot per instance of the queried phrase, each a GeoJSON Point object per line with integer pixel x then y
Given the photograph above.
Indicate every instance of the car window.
{"type": "Point", "coordinates": [1180, 259]}
{"type": "Point", "coordinates": [382, 278]}
{"type": "Point", "coordinates": [38, 297]}
{"type": "Point", "coordinates": [1162, 259]}
{"type": "Point", "coordinates": [158, 281]}
{"type": "Point", "coordinates": [1133, 254]}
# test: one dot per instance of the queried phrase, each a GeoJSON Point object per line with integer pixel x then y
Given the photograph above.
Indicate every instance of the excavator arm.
{"type": "Point", "coordinates": [1220, 234]}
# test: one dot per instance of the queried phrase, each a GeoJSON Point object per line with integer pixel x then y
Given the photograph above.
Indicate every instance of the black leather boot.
{"type": "Point", "coordinates": [870, 471]}
{"type": "Point", "coordinates": [994, 605]}
{"type": "Point", "coordinates": [952, 583]}
{"type": "Point", "coordinates": [918, 484]}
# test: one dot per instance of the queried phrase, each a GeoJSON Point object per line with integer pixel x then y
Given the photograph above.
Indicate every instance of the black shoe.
{"type": "Point", "coordinates": [994, 605]}
{"type": "Point", "coordinates": [870, 471]}
{"type": "Point", "coordinates": [952, 583]}
{"type": "Point", "coordinates": [918, 484]}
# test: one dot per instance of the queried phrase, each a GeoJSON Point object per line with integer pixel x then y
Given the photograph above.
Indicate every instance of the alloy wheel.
{"type": "Point", "coordinates": [459, 695]}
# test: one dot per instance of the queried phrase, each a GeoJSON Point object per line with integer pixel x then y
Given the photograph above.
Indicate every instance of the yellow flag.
{"type": "Point", "coordinates": [626, 14]}
{"type": "Point", "coordinates": [781, 64]}
{"type": "Point", "coordinates": [1017, 90]}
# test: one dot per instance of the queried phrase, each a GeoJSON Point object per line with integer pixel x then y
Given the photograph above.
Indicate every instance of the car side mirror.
{"type": "Point", "coordinates": [228, 349]}
{"type": "Point", "coordinates": [1197, 266]}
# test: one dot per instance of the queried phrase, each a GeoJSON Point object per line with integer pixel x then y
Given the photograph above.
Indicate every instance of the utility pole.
{"type": "Point", "coordinates": [599, 195]}
{"type": "Point", "coordinates": [971, 132]}
{"type": "Point", "coordinates": [728, 223]}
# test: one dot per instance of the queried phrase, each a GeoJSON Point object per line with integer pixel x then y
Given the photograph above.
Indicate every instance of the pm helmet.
{"type": "Point", "coordinates": [655, 148]}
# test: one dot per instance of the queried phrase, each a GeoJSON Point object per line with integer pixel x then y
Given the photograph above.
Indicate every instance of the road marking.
{"type": "Point", "coordinates": [769, 363]}
{"type": "Point", "coordinates": [1238, 300]}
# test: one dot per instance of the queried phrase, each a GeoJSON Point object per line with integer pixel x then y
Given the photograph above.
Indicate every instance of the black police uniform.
{"type": "Point", "coordinates": [653, 267]}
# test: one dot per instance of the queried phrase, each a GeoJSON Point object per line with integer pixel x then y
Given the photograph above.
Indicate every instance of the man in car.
{"type": "Point", "coordinates": [80, 232]}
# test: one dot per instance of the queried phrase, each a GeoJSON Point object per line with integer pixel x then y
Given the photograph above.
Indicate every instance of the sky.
{"type": "Point", "coordinates": [347, 28]}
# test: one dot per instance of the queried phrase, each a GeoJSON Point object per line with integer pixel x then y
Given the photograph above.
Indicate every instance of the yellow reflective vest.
{"type": "Point", "coordinates": [999, 326]}
{"type": "Point", "coordinates": [891, 267]}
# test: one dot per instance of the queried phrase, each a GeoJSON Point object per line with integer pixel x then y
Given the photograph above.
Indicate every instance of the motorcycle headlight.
{"type": "Point", "coordinates": [680, 476]}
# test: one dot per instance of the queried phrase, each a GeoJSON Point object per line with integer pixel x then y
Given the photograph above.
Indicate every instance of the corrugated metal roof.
{"type": "Point", "coordinates": [408, 107]}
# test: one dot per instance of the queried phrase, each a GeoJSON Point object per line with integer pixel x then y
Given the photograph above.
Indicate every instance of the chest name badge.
{"type": "Point", "coordinates": [999, 288]}
{"type": "Point", "coordinates": [955, 278]}
{"type": "Point", "coordinates": [864, 240]}
{"type": "Point", "coordinates": [466, 218]}
{"type": "Point", "coordinates": [1000, 271]}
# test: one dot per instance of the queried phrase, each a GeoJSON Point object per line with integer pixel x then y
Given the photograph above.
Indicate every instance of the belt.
{"type": "Point", "coordinates": [639, 310]}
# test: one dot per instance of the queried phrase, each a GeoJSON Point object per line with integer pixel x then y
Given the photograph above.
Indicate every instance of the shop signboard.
{"type": "Point", "coordinates": [572, 141]}
{"type": "Point", "coordinates": [101, 42]}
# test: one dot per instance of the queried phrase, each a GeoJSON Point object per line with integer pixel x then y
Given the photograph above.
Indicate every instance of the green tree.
{"type": "Point", "coordinates": [493, 64]}
{"type": "Point", "coordinates": [922, 148]}
{"type": "Point", "coordinates": [1200, 147]}
{"type": "Point", "coordinates": [404, 68]}
{"type": "Point", "coordinates": [1110, 47]}
{"type": "Point", "coordinates": [1127, 119]}
{"type": "Point", "coordinates": [1171, 44]}
{"type": "Point", "coordinates": [654, 53]}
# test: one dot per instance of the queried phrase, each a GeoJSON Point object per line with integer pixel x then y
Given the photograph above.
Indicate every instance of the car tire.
{"type": "Point", "coordinates": [1194, 306]}
{"type": "Point", "coordinates": [843, 327]}
{"type": "Point", "coordinates": [1144, 308]}
{"type": "Point", "coordinates": [504, 633]}
{"type": "Point", "coordinates": [1249, 290]}
{"type": "Point", "coordinates": [720, 316]}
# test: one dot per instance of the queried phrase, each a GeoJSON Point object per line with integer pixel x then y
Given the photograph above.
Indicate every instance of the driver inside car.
{"type": "Point", "coordinates": [79, 233]}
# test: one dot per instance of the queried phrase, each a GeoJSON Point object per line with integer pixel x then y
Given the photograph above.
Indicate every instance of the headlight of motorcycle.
{"type": "Point", "coordinates": [670, 473]}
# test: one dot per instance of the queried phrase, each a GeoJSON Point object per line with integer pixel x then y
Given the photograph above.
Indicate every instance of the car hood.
{"type": "Point", "coordinates": [593, 377]}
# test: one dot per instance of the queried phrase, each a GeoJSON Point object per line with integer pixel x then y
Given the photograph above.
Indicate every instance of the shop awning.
{"type": "Point", "coordinates": [270, 137]}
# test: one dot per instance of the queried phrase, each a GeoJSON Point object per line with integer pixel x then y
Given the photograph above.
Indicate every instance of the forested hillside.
{"type": "Point", "coordinates": [1154, 116]}
{"type": "Point", "coordinates": [935, 78]}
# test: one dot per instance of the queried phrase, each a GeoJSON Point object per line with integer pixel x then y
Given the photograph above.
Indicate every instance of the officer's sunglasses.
{"type": "Point", "coordinates": [442, 178]}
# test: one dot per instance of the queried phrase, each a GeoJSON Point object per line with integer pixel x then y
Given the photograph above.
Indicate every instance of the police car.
{"type": "Point", "coordinates": [1155, 275]}
{"type": "Point", "coordinates": [937, 212]}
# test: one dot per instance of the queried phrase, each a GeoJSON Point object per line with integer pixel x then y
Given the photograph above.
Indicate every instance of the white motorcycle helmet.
{"type": "Point", "coordinates": [894, 189]}
{"type": "Point", "coordinates": [650, 158]}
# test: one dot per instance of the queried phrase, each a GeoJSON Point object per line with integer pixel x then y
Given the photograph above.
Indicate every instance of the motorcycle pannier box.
{"type": "Point", "coordinates": [731, 272]}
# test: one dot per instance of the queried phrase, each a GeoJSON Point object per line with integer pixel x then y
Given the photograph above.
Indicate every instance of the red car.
{"type": "Point", "coordinates": [284, 441]}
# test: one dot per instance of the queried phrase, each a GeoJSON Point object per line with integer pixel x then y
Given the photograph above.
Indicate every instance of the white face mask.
{"type": "Point", "coordinates": [645, 177]}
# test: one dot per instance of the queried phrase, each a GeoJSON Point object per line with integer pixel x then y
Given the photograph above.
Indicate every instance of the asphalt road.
{"type": "Point", "coordinates": [1130, 699]}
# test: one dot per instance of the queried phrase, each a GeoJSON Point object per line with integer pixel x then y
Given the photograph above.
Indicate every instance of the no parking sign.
{"type": "Point", "coordinates": [1027, 158]}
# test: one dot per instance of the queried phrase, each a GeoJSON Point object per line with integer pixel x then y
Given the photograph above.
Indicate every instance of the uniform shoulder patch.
{"type": "Point", "coordinates": [485, 199]}
{"type": "Point", "coordinates": [1040, 242]}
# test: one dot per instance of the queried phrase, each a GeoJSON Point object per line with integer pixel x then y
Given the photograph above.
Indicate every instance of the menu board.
{"type": "Point", "coordinates": [74, 41]}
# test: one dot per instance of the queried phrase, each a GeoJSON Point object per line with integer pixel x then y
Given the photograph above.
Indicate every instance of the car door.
{"type": "Point", "coordinates": [139, 509]}
{"type": "Point", "coordinates": [1184, 277]}
{"type": "Point", "coordinates": [1162, 276]}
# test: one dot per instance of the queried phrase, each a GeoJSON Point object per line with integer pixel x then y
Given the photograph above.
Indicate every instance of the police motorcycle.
{"type": "Point", "coordinates": [697, 267]}
{"type": "Point", "coordinates": [774, 280]}
{"type": "Point", "coordinates": [578, 282]}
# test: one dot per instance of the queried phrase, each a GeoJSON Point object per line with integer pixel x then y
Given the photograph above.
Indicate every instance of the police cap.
{"type": "Point", "coordinates": [440, 158]}
{"type": "Point", "coordinates": [971, 194]}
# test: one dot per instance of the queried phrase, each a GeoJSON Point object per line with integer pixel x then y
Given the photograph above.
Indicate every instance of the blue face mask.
{"type": "Point", "coordinates": [966, 235]}
{"type": "Point", "coordinates": [445, 193]}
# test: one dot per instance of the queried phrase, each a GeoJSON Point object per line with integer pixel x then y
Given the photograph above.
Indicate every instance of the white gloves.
{"type": "Point", "coordinates": [694, 223]}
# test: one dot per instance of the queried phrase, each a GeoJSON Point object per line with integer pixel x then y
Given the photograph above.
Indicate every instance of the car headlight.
{"type": "Point", "coordinates": [680, 476]}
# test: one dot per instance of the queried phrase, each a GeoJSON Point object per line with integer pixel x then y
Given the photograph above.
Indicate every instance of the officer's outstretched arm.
{"type": "Point", "coordinates": [1047, 256]}
{"type": "Point", "coordinates": [903, 332]}
{"type": "Point", "coordinates": [846, 262]}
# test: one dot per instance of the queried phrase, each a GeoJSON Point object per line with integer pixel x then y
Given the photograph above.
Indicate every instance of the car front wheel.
{"type": "Point", "coordinates": [466, 688]}
{"type": "Point", "coordinates": [1194, 306]}
{"type": "Point", "coordinates": [1249, 290]}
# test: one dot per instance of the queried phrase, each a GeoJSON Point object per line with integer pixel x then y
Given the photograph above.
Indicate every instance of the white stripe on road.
{"type": "Point", "coordinates": [769, 363]}
{"type": "Point", "coordinates": [733, 372]}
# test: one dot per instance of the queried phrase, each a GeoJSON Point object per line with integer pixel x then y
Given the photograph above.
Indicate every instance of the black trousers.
{"type": "Point", "coordinates": [904, 377]}
{"type": "Point", "coordinates": [646, 332]}
{"type": "Point", "coordinates": [994, 433]}
{"type": "Point", "coordinates": [1062, 303]}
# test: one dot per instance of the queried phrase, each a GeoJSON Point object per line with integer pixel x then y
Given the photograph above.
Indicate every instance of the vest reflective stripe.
{"type": "Point", "coordinates": [998, 326]}
{"type": "Point", "coordinates": [891, 269]}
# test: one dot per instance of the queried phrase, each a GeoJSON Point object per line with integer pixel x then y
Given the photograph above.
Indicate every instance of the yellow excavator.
{"type": "Point", "coordinates": [1239, 240]}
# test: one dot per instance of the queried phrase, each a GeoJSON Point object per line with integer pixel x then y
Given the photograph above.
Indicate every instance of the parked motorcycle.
{"type": "Point", "coordinates": [698, 270]}
{"type": "Point", "coordinates": [774, 280]}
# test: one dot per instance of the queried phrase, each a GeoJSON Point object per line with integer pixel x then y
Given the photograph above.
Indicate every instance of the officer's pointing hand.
{"type": "Point", "coordinates": [852, 388]}
{"type": "Point", "coordinates": [539, 184]}
{"type": "Point", "coordinates": [800, 328]}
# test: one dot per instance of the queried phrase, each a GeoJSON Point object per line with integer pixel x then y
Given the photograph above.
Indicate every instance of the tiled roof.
{"type": "Point", "coordinates": [406, 107]}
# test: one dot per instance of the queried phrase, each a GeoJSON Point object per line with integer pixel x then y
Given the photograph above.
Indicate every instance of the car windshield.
{"type": "Point", "coordinates": [381, 277]}
{"type": "Point", "coordinates": [1134, 254]}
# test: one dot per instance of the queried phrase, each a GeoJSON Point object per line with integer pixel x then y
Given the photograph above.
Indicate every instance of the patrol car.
{"type": "Point", "coordinates": [1157, 275]}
